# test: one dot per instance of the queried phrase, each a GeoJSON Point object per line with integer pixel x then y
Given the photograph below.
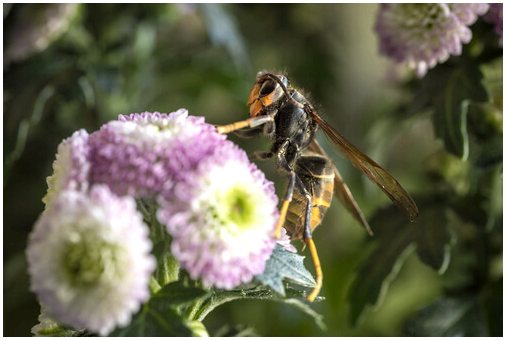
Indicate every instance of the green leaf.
{"type": "Point", "coordinates": [155, 322]}
{"type": "Point", "coordinates": [448, 316]}
{"type": "Point", "coordinates": [49, 327]}
{"type": "Point", "coordinates": [454, 88]}
{"type": "Point", "coordinates": [159, 317]}
{"type": "Point", "coordinates": [167, 268]}
{"type": "Point", "coordinates": [433, 237]}
{"type": "Point", "coordinates": [306, 309]}
{"type": "Point", "coordinates": [236, 331]}
{"type": "Point", "coordinates": [220, 297]}
{"type": "Point", "coordinates": [396, 238]}
{"type": "Point", "coordinates": [376, 274]}
{"type": "Point", "coordinates": [176, 293]}
{"type": "Point", "coordinates": [490, 152]}
{"type": "Point", "coordinates": [492, 305]}
{"type": "Point", "coordinates": [285, 265]}
{"type": "Point", "coordinates": [493, 80]}
{"type": "Point", "coordinates": [395, 242]}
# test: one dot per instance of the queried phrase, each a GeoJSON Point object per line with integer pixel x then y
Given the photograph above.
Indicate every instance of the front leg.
{"type": "Point", "coordinates": [250, 122]}
{"type": "Point", "coordinates": [249, 132]}
{"type": "Point", "coordinates": [262, 155]}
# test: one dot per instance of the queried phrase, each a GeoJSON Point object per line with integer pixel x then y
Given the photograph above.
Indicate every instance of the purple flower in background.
{"type": "Point", "coordinates": [494, 16]}
{"type": "Point", "coordinates": [89, 259]}
{"type": "Point", "coordinates": [139, 154]}
{"type": "Point", "coordinates": [221, 217]}
{"type": "Point", "coordinates": [468, 13]}
{"type": "Point", "coordinates": [422, 35]}
{"type": "Point", "coordinates": [70, 168]}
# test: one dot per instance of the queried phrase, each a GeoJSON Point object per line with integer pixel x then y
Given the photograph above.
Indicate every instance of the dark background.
{"type": "Point", "coordinates": [79, 66]}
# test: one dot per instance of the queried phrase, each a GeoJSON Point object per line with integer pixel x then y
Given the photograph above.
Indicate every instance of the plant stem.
{"type": "Point", "coordinates": [207, 305]}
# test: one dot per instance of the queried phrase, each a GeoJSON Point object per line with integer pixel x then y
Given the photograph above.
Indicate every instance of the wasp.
{"type": "Point", "coordinates": [281, 112]}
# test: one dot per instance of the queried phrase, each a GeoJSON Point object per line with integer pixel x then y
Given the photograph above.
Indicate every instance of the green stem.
{"type": "Point", "coordinates": [206, 306]}
{"type": "Point", "coordinates": [154, 286]}
{"type": "Point", "coordinates": [168, 270]}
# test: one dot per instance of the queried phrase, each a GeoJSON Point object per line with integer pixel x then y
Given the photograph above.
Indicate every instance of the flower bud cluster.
{"type": "Point", "coordinates": [89, 254]}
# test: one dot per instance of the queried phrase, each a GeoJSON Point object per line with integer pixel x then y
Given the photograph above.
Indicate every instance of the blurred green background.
{"type": "Point", "coordinates": [75, 66]}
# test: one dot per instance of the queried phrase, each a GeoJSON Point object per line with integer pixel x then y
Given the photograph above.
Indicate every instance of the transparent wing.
{"type": "Point", "coordinates": [370, 168]}
{"type": "Point", "coordinates": [342, 191]}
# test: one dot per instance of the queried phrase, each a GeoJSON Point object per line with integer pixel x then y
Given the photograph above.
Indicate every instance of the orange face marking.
{"type": "Point", "coordinates": [253, 95]}
{"type": "Point", "coordinates": [267, 100]}
{"type": "Point", "coordinates": [256, 103]}
{"type": "Point", "coordinates": [255, 108]}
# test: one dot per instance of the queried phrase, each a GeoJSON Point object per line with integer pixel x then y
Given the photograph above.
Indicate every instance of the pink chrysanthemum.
{"type": "Point", "coordinates": [285, 241]}
{"type": "Point", "coordinates": [494, 16]}
{"type": "Point", "coordinates": [221, 218]}
{"type": "Point", "coordinates": [71, 167]}
{"type": "Point", "coordinates": [139, 154]}
{"type": "Point", "coordinates": [422, 35]}
{"type": "Point", "coordinates": [89, 259]}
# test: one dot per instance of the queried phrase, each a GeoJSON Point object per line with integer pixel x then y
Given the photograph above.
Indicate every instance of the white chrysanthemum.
{"type": "Point", "coordinates": [155, 128]}
{"type": "Point", "coordinates": [222, 219]}
{"type": "Point", "coordinates": [71, 166]}
{"type": "Point", "coordinates": [89, 259]}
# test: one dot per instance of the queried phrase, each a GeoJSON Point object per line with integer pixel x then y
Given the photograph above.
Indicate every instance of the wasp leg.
{"type": "Point", "coordinates": [262, 155]}
{"type": "Point", "coordinates": [249, 132]}
{"type": "Point", "coordinates": [284, 206]}
{"type": "Point", "coordinates": [308, 239]}
{"type": "Point", "coordinates": [250, 122]}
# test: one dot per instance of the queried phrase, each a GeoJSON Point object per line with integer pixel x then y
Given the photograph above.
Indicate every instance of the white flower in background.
{"type": "Point", "coordinates": [89, 260]}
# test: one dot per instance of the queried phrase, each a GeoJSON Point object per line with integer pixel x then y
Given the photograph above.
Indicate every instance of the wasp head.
{"type": "Point", "coordinates": [266, 93]}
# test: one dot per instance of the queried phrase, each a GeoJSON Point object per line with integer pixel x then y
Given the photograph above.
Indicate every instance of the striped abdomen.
{"type": "Point", "coordinates": [317, 176]}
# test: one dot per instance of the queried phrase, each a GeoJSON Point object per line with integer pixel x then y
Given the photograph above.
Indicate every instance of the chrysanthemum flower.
{"type": "Point", "coordinates": [285, 241]}
{"type": "Point", "coordinates": [139, 153]}
{"type": "Point", "coordinates": [89, 260]}
{"type": "Point", "coordinates": [422, 35]}
{"type": "Point", "coordinates": [71, 166]}
{"type": "Point", "coordinates": [494, 16]}
{"type": "Point", "coordinates": [221, 218]}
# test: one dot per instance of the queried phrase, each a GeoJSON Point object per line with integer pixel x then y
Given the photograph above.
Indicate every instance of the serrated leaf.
{"type": "Point", "coordinates": [395, 242]}
{"type": "Point", "coordinates": [448, 316]}
{"type": "Point", "coordinates": [285, 265]}
{"type": "Point", "coordinates": [454, 88]}
{"type": "Point", "coordinates": [432, 237]}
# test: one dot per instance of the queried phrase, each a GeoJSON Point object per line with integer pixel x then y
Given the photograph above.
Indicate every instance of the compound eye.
{"type": "Point", "coordinates": [267, 88]}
